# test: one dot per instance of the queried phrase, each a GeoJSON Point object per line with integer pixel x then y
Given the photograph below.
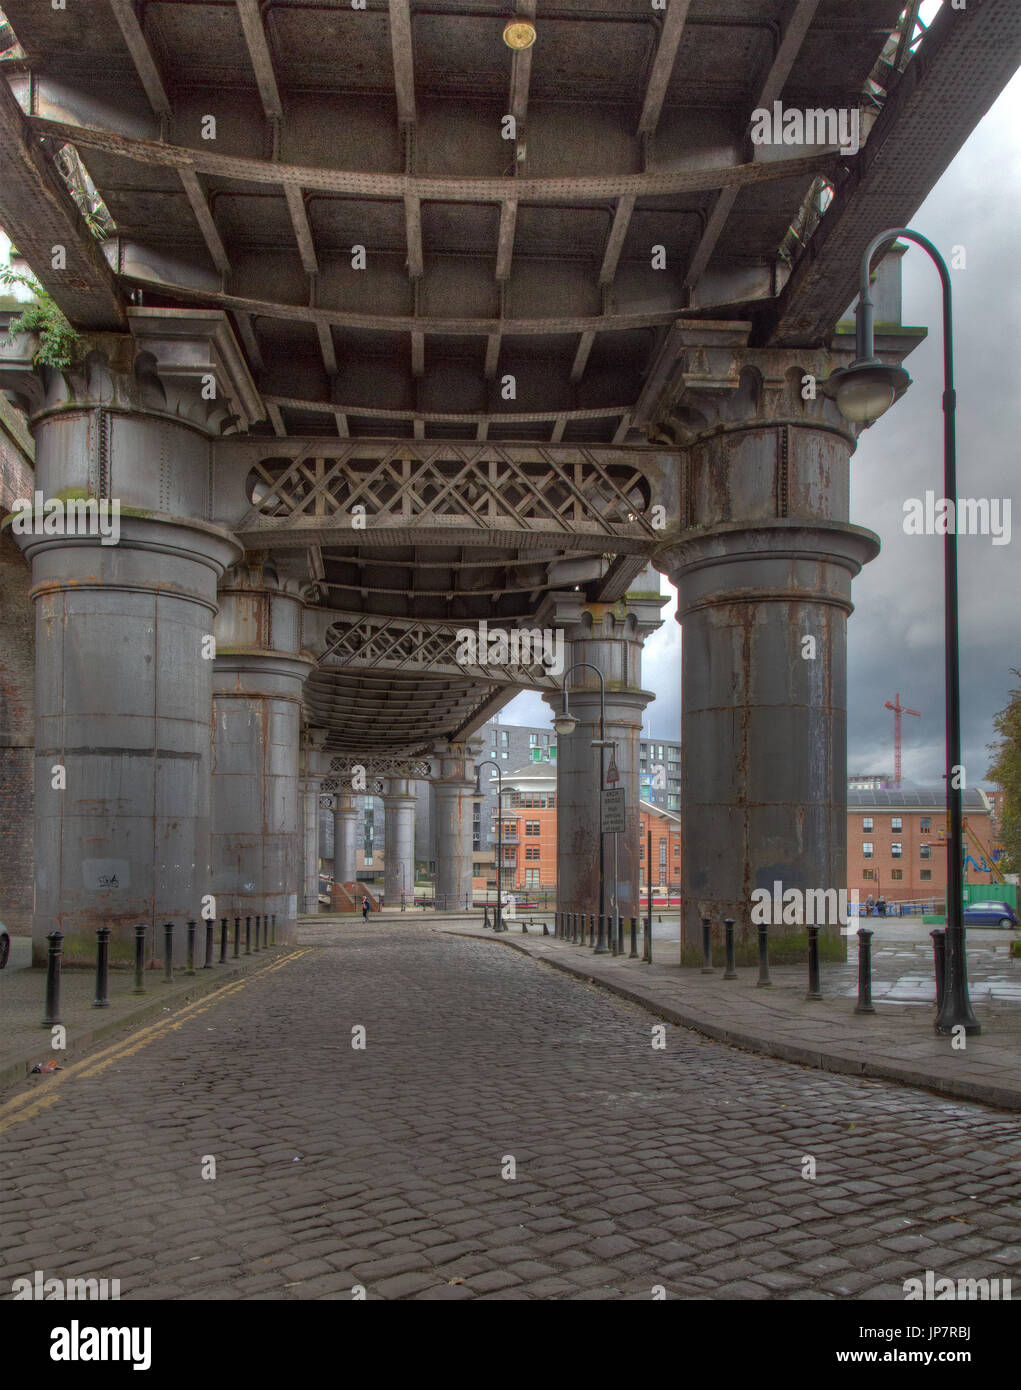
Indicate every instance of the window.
{"type": "Point", "coordinates": [503, 755]}
{"type": "Point", "coordinates": [896, 849]}
{"type": "Point", "coordinates": [897, 874]}
{"type": "Point", "coordinates": [868, 873]}
{"type": "Point", "coordinates": [551, 800]}
{"type": "Point", "coordinates": [504, 738]}
{"type": "Point", "coordinates": [896, 823]}
{"type": "Point", "coordinates": [866, 849]}
{"type": "Point", "coordinates": [531, 827]}
{"type": "Point", "coordinates": [641, 850]}
{"type": "Point", "coordinates": [659, 752]}
{"type": "Point", "coordinates": [925, 851]}
{"type": "Point", "coordinates": [532, 852]}
{"type": "Point", "coordinates": [545, 740]}
{"type": "Point", "coordinates": [533, 740]}
{"type": "Point", "coordinates": [531, 878]}
{"type": "Point", "coordinates": [925, 875]}
{"type": "Point", "coordinates": [925, 825]}
{"type": "Point", "coordinates": [510, 854]}
{"type": "Point", "coordinates": [662, 856]}
{"type": "Point", "coordinates": [866, 822]}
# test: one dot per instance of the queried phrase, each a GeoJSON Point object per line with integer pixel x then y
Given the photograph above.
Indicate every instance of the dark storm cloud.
{"type": "Point", "coordinates": [895, 636]}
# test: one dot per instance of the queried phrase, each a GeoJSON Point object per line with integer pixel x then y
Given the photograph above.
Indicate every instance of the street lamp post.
{"type": "Point", "coordinates": [478, 798]}
{"type": "Point", "coordinates": [864, 391]}
{"type": "Point", "coordinates": [565, 723]}
{"type": "Point", "coordinates": [403, 884]}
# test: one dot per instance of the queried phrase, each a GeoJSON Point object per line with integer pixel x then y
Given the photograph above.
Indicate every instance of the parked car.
{"type": "Point", "coordinates": [5, 946]}
{"type": "Point", "coordinates": [990, 914]}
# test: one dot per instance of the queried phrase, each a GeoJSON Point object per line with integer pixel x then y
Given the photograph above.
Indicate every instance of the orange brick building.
{"type": "Point", "coordinates": [897, 842]}
{"type": "Point", "coordinates": [530, 836]}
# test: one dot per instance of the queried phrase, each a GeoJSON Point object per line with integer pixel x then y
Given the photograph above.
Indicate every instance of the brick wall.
{"type": "Point", "coordinates": [17, 684]}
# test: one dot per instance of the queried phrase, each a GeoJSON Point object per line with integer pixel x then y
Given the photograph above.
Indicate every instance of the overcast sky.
{"type": "Point", "coordinates": [895, 635]}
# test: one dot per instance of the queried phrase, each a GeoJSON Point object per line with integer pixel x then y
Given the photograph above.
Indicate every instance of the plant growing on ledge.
{"type": "Point", "coordinates": [59, 344]}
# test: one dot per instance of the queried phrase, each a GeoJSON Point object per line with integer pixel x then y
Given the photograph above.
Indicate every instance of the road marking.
{"type": "Point", "coordinates": [30, 1103]}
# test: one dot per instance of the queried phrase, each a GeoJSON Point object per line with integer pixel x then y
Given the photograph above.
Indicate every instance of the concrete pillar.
{"type": "Point", "coordinates": [609, 637]}
{"type": "Point", "coordinates": [399, 802]}
{"type": "Point", "coordinates": [257, 681]}
{"type": "Point", "coordinates": [453, 783]}
{"type": "Point", "coordinates": [123, 630]}
{"type": "Point", "coordinates": [345, 838]}
{"type": "Point", "coordinates": [763, 559]}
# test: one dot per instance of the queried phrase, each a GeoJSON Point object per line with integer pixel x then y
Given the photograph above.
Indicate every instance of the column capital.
{"type": "Point", "coordinates": [181, 363]}
{"type": "Point", "coordinates": [702, 563]}
{"type": "Point", "coordinates": [454, 763]}
{"type": "Point", "coordinates": [720, 382]}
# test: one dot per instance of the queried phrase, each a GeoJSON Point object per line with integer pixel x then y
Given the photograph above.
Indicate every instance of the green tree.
{"type": "Point", "coordinates": [1005, 770]}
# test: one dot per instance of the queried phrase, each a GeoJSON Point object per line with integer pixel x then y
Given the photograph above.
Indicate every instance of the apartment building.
{"type": "Point", "coordinates": [530, 835]}
{"type": "Point", "coordinates": [896, 842]}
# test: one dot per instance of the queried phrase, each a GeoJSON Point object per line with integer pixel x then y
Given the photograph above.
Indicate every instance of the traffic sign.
{"type": "Point", "coordinates": [613, 811]}
{"type": "Point", "coordinates": [612, 774]}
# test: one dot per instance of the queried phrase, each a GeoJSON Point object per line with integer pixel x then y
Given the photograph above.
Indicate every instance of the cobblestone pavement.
{"type": "Point", "coordinates": [635, 1167]}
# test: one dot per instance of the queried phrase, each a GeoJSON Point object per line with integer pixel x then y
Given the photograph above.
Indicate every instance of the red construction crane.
{"type": "Point", "coordinates": [898, 710]}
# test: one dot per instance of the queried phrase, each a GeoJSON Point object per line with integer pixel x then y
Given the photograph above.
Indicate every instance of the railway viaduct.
{"type": "Point", "coordinates": [385, 328]}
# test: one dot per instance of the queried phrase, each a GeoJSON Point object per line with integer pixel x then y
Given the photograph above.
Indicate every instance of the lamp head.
{"type": "Point", "coordinates": [519, 34]}
{"type": "Point", "coordinates": [565, 723]}
{"type": "Point", "coordinates": [866, 389]}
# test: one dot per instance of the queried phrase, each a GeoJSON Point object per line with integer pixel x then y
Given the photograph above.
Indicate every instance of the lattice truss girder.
{"type": "Point", "coordinates": [481, 489]}
{"type": "Point", "coordinates": [395, 644]}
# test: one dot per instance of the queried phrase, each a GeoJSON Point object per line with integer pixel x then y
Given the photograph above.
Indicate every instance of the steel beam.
{"type": "Point", "coordinates": [262, 62]}
{"type": "Point", "coordinates": [663, 65]}
{"type": "Point", "coordinates": [968, 57]}
{"type": "Point", "coordinates": [591, 188]}
{"type": "Point", "coordinates": [39, 214]}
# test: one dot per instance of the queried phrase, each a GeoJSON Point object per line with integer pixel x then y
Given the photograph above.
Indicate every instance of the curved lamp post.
{"type": "Point", "coordinates": [566, 723]}
{"type": "Point", "coordinates": [864, 391]}
{"type": "Point", "coordinates": [478, 797]}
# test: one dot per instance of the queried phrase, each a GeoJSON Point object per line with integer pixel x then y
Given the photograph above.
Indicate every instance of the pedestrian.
{"type": "Point", "coordinates": [881, 907]}
{"type": "Point", "coordinates": [365, 909]}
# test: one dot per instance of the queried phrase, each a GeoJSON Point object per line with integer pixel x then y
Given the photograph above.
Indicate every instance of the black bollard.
{"type": "Point", "coordinates": [574, 929]}
{"type": "Point", "coordinates": [56, 950]}
{"type": "Point", "coordinates": [273, 930]}
{"type": "Point", "coordinates": [485, 924]}
{"type": "Point", "coordinates": [864, 1005]}
{"type": "Point", "coordinates": [634, 939]}
{"type": "Point", "coordinates": [189, 966]}
{"type": "Point", "coordinates": [168, 951]}
{"type": "Point", "coordinates": [763, 981]}
{"type": "Point", "coordinates": [611, 927]}
{"type": "Point", "coordinates": [139, 959]}
{"type": "Point", "coordinates": [814, 991]}
{"type": "Point", "coordinates": [248, 936]}
{"type": "Point", "coordinates": [707, 946]}
{"type": "Point", "coordinates": [939, 948]}
{"type": "Point", "coordinates": [728, 937]}
{"type": "Point", "coordinates": [223, 941]}
{"type": "Point", "coordinates": [102, 999]}
{"type": "Point", "coordinates": [209, 944]}
{"type": "Point", "coordinates": [620, 936]}
{"type": "Point", "coordinates": [258, 925]}
{"type": "Point", "coordinates": [545, 929]}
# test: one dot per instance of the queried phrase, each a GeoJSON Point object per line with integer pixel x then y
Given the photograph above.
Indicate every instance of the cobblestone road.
{"type": "Point", "coordinates": [635, 1167]}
